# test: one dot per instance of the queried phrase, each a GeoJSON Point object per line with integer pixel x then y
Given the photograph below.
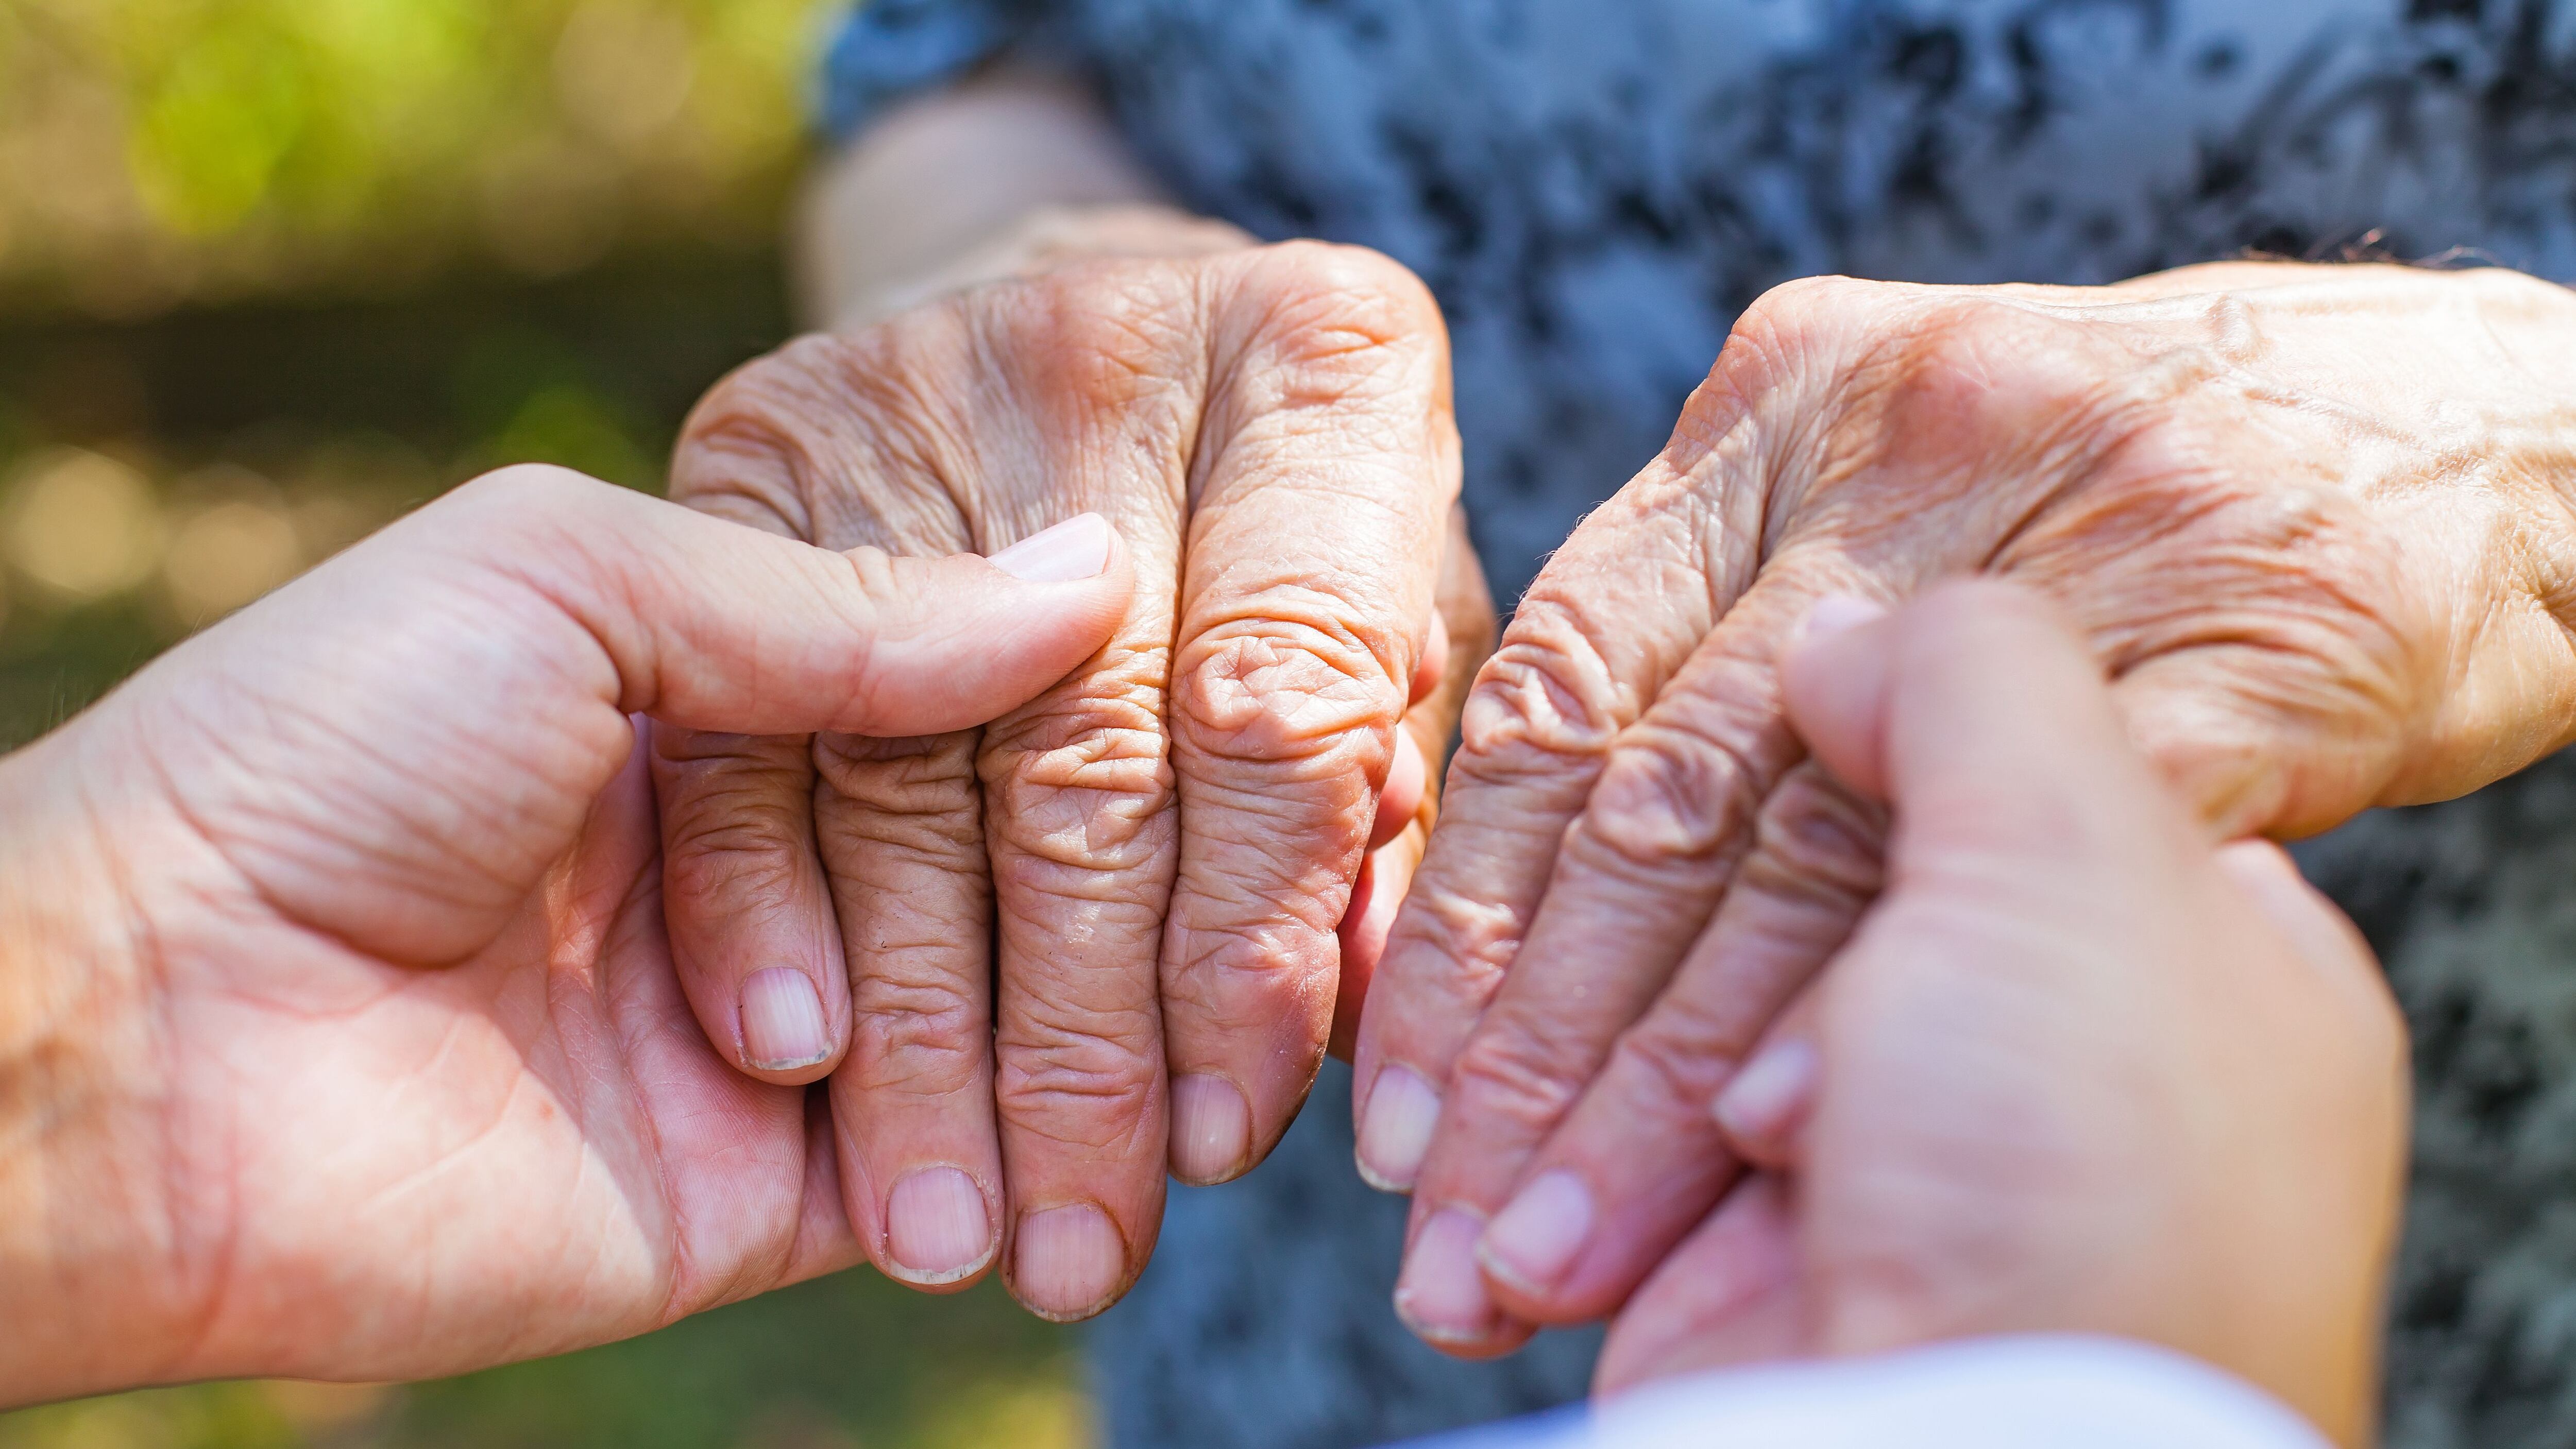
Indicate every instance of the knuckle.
{"type": "Point", "coordinates": [896, 786]}
{"type": "Point", "coordinates": [1272, 692]}
{"type": "Point", "coordinates": [1330, 298]}
{"type": "Point", "coordinates": [751, 851]}
{"type": "Point", "coordinates": [1514, 1073]}
{"type": "Point", "coordinates": [1089, 1086]}
{"type": "Point", "coordinates": [1677, 1059]}
{"type": "Point", "coordinates": [1244, 981]}
{"type": "Point", "coordinates": [914, 1030]}
{"type": "Point", "coordinates": [1545, 702]}
{"type": "Point", "coordinates": [1817, 842]}
{"type": "Point", "coordinates": [1670, 799]}
{"type": "Point", "coordinates": [1112, 336]}
{"type": "Point", "coordinates": [1786, 328]}
{"type": "Point", "coordinates": [759, 439]}
{"type": "Point", "coordinates": [1468, 941]}
{"type": "Point", "coordinates": [1082, 780]}
{"type": "Point", "coordinates": [832, 440]}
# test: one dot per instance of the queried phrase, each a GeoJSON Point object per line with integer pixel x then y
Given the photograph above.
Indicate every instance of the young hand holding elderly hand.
{"type": "Point", "coordinates": [397, 895]}
{"type": "Point", "coordinates": [339, 1035]}
{"type": "Point", "coordinates": [2077, 1070]}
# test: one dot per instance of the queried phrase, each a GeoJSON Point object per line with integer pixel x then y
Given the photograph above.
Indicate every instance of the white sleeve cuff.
{"type": "Point", "coordinates": [2056, 1392]}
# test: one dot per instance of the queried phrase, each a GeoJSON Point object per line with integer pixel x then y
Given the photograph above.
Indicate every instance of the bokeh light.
{"type": "Point", "coordinates": [273, 272]}
{"type": "Point", "coordinates": [159, 152]}
{"type": "Point", "coordinates": [80, 525]}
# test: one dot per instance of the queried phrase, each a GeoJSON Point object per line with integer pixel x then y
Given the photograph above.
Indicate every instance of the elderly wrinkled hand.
{"type": "Point", "coordinates": [339, 1036]}
{"type": "Point", "coordinates": [1173, 846]}
{"type": "Point", "coordinates": [2314, 519]}
{"type": "Point", "coordinates": [2076, 1071]}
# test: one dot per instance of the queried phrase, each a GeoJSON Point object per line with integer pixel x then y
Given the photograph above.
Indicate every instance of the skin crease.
{"type": "Point", "coordinates": [1170, 840]}
{"type": "Point", "coordinates": [339, 1035]}
{"type": "Point", "coordinates": [1016, 176]}
{"type": "Point", "coordinates": [2313, 519]}
{"type": "Point", "coordinates": [2076, 1071]}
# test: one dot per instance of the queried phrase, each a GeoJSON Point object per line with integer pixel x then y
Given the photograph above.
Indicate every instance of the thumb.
{"type": "Point", "coordinates": [710, 625]}
{"type": "Point", "coordinates": [1980, 717]}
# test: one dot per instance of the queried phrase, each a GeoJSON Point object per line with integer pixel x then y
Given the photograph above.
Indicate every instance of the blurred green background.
{"type": "Point", "coordinates": [272, 271]}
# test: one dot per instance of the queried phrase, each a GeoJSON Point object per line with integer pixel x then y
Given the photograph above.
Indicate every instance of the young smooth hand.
{"type": "Point", "coordinates": [2077, 1071]}
{"type": "Point", "coordinates": [339, 1032]}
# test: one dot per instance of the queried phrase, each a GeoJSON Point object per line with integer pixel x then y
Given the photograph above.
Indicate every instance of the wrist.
{"type": "Point", "coordinates": [1045, 238]}
{"type": "Point", "coordinates": [969, 184]}
{"type": "Point", "coordinates": [87, 1247]}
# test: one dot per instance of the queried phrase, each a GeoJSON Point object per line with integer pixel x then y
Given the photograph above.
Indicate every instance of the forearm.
{"type": "Point", "coordinates": [983, 180]}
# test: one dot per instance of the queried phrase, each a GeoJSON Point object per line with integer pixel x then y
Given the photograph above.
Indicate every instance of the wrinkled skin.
{"type": "Point", "coordinates": [339, 1035]}
{"type": "Point", "coordinates": [1171, 844]}
{"type": "Point", "coordinates": [2077, 1071]}
{"type": "Point", "coordinates": [2313, 519]}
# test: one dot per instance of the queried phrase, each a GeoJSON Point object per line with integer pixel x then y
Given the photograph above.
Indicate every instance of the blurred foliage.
{"type": "Point", "coordinates": [154, 152]}
{"type": "Point", "coordinates": [156, 474]}
{"type": "Point", "coordinates": [273, 271]}
{"type": "Point", "coordinates": [852, 1362]}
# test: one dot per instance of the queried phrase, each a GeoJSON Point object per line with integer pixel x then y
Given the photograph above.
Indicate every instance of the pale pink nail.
{"type": "Point", "coordinates": [1077, 548]}
{"type": "Point", "coordinates": [782, 1021]}
{"type": "Point", "coordinates": [1395, 1131]}
{"type": "Point", "coordinates": [1441, 1293]}
{"type": "Point", "coordinates": [936, 1226]}
{"type": "Point", "coordinates": [1762, 1104]}
{"type": "Point", "coordinates": [1834, 613]}
{"type": "Point", "coordinates": [1211, 1129]}
{"type": "Point", "coordinates": [1068, 1262]}
{"type": "Point", "coordinates": [1537, 1235]}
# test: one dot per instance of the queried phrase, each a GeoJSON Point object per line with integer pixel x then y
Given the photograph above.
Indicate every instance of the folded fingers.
{"type": "Point", "coordinates": [1660, 840]}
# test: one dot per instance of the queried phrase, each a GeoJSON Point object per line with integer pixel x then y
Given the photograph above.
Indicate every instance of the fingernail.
{"type": "Point", "coordinates": [1441, 1294]}
{"type": "Point", "coordinates": [1211, 1129]}
{"type": "Point", "coordinates": [1536, 1236]}
{"type": "Point", "coordinates": [782, 1021]}
{"type": "Point", "coordinates": [1834, 613]}
{"type": "Point", "coordinates": [1396, 1130]}
{"type": "Point", "coordinates": [1760, 1106]}
{"type": "Point", "coordinates": [1068, 1263]}
{"type": "Point", "coordinates": [1077, 548]}
{"type": "Point", "coordinates": [936, 1226]}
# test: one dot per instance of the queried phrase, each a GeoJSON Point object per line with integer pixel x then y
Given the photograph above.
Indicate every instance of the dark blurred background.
{"type": "Point", "coordinates": [273, 271]}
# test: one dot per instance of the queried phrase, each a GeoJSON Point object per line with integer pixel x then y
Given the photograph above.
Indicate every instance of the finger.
{"type": "Point", "coordinates": [1407, 781]}
{"type": "Point", "coordinates": [1375, 898]}
{"type": "Point", "coordinates": [1640, 1159]}
{"type": "Point", "coordinates": [1763, 1109]}
{"type": "Point", "coordinates": [800, 445]}
{"type": "Point", "coordinates": [1982, 718]}
{"type": "Point", "coordinates": [1082, 839]}
{"type": "Point", "coordinates": [1727, 1295]}
{"type": "Point", "coordinates": [1641, 872]}
{"type": "Point", "coordinates": [1615, 612]}
{"type": "Point", "coordinates": [1431, 669]}
{"type": "Point", "coordinates": [2299, 911]}
{"type": "Point", "coordinates": [648, 607]}
{"type": "Point", "coordinates": [1396, 845]}
{"type": "Point", "coordinates": [1311, 575]}
{"type": "Point", "coordinates": [900, 830]}
{"type": "Point", "coordinates": [754, 922]}
{"type": "Point", "coordinates": [753, 933]}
